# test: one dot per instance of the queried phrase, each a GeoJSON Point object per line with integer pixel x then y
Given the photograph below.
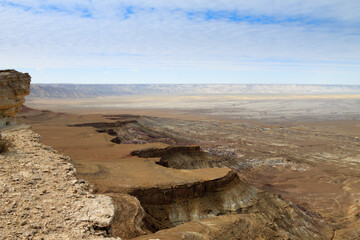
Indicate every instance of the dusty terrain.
{"type": "Point", "coordinates": [260, 107]}
{"type": "Point", "coordinates": [313, 164]}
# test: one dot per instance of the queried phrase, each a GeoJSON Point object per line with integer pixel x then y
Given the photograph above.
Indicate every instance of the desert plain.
{"type": "Point", "coordinates": [296, 159]}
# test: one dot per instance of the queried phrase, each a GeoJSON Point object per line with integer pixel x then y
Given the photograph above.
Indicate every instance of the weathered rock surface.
{"type": "Point", "coordinates": [128, 130]}
{"type": "Point", "coordinates": [160, 152]}
{"type": "Point", "coordinates": [40, 197]}
{"type": "Point", "coordinates": [181, 157]}
{"type": "Point", "coordinates": [14, 86]}
{"type": "Point", "coordinates": [225, 197]}
{"type": "Point", "coordinates": [129, 216]}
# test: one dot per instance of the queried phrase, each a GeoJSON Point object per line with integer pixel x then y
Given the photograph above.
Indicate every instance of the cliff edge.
{"type": "Point", "coordinates": [14, 86]}
{"type": "Point", "coordinates": [40, 196]}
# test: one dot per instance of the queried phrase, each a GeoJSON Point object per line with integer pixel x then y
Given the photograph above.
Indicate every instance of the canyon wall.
{"type": "Point", "coordinates": [14, 86]}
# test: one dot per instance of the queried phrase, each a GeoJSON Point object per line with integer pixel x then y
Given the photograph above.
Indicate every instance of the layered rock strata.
{"type": "Point", "coordinates": [222, 199]}
{"type": "Point", "coordinates": [181, 157]}
{"type": "Point", "coordinates": [14, 86]}
{"type": "Point", "coordinates": [131, 130]}
{"type": "Point", "coordinates": [40, 197]}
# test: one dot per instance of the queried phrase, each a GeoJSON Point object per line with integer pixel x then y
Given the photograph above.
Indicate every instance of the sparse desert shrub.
{"type": "Point", "coordinates": [5, 144]}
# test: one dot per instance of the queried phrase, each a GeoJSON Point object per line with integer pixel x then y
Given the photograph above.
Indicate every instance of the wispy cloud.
{"type": "Point", "coordinates": [189, 34]}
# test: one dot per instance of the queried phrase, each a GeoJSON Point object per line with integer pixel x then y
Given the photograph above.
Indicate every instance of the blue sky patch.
{"type": "Point", "coordinates": [234, 16]}
{"type": "Point", "coordinates": [163, 39]}
{"type": "Point", "coordinates": [15, 5]}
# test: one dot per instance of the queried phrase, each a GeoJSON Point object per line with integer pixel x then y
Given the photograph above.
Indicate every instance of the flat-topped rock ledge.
{"type": "Point", "coordinates": [40, 197]}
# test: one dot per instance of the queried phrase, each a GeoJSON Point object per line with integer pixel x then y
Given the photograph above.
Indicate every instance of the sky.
{"type": "Point", "coordinates": [183, 41]}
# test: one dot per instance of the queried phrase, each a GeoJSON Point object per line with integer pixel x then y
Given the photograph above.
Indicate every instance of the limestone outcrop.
{"type": "Point", "coordinates": [14, 86]}
{"type": "Point", "coordinates": [41, 198]}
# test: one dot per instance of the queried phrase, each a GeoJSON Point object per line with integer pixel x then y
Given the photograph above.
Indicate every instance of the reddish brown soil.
{"type": "Point", "coordinates": [319, 170]}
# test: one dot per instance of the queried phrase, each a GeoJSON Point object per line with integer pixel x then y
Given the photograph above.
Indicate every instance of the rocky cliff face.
{"type": "Point", "coordinates": [220, 199]}
{"type": "Point", "coordinates": [41, 198]}
{"type": "Point", "coordinates": [14, 86]}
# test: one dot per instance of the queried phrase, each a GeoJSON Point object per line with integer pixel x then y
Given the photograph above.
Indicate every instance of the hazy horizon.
{"type": "Point", "coordinates": [271, 84]}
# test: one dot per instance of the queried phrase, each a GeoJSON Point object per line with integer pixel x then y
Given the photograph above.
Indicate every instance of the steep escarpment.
{"type": "Point", "coordinates": [270, 218]}
{"type": "Point", "coordinates": [181, 157]}
{"type": "Point", "coordinates": [225, 202]}
{"type": "Point", "coordinates": [172, 206]}
{"type": "Point", "coordinates": [247, 226]}
{"type": "Point", "coordinates": [14, 86]}
{"type": "Point", "coordinates": [129, 129]}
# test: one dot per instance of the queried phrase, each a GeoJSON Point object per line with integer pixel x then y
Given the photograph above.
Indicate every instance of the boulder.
{"type": "Point", "coordinates": [14, 86]}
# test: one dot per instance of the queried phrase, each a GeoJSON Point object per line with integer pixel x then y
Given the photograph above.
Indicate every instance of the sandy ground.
{"type": "Point", "coordinates": [97, 156]}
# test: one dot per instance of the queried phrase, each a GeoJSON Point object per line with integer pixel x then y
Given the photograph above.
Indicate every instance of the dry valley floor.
{"type": "Point", "coordinates": [248, 180]}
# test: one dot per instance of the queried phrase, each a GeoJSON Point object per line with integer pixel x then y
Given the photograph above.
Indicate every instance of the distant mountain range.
{"type": "Point", "coordinates": [101, 90]}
